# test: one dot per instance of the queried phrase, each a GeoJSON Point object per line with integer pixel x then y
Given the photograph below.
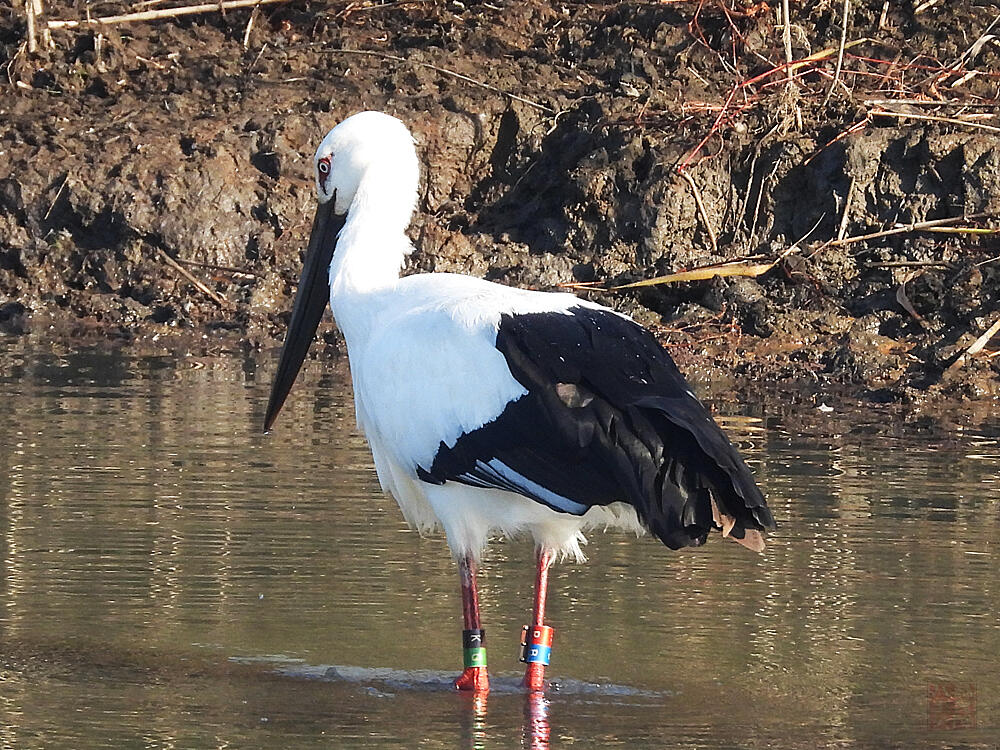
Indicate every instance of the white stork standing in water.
{"type": "Point", "coordinates": [492, 410]}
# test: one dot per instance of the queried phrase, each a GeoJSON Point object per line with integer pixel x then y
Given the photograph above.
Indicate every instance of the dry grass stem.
{"type": "Point", "coordinates": [933, 103]}
{"type": "Point", "coordinates": [154, 15]}
{"type": "Point", "coordinates": [904, 301]}
{"type": "Point", "coordinates": [847, 209]}
{"type": "Point", "coordinates": [883, 16]}
{"type": "Point", "coordinates": [36, 25]}
{"type": "Point", "coordinates": [220, 301]}
{"type": "Point", "coordinates": [961, 230]}
{"type": "Point", "coordinates": [910, 264]}
{"type": "Point", "coordinates": [704, 273]}
{"type": "Point", "coordinates": [46, 34]}
{"type": "Point", "coordinates": [750, 266]}
{"type": "Point", "coordinates": [974, 49]}
{"type": "Point", "coordinates": [964, 79]}
{"type": "Point", "coordinates": [250, 21]}
{"type": "Point", "coordinates": [919, 226]}
{"type": "Point", "coordinates": [727, 111]}
{"type": "Point", "coordinates": [353, 8]}
{"type": "Point", "coordinates": [29, 10]}
{"type": "Point", "coordinates": [786, 34]}
{"type": "Point", "coordinates": [216, 267]}
{"type": "Point", "coordinates": [702, 211]}
{"type": "Point", "coordinates": [840, 52]}
{"type": "Point", "coordinates": [977, 346]}
{"type": "Point", "coordinates": [883, 112]}
{"type": "Point", "coordinates": [52, 205]}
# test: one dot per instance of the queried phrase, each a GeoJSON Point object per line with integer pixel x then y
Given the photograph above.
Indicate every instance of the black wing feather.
{"type": "Point", "coordinates": [608, 417]}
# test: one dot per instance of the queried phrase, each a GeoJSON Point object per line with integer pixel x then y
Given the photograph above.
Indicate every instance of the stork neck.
{"type": "Point", "coordinates": [373, 244]}
{"type": "Point", "coordinates": [371, 250]}
{"type": "Point", "coordinates": [367, 257]}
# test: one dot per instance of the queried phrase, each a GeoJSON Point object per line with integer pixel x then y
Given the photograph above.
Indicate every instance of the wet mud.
{"type": "Point", "coordinates": [155, 177]}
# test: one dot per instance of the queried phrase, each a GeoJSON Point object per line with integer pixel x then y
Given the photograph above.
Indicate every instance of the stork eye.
{"type": "Point", "coordinates": [324, 167]}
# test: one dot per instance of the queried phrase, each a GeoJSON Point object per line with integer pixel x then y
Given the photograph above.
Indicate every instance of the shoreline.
{"type": "Point", "coordinates": [157, 175]}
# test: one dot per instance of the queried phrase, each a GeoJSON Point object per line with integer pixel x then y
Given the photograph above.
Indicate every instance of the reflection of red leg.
{"type": "Point", "coordinates": [536, 722]}
{"type": "Point", "coordinates": [534, 676]}
{"type": "Point", "coordinates": [474, 677]}
{"type": "Point", "coordinates": [472, 721]}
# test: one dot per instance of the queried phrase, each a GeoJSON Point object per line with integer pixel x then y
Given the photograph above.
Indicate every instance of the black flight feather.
{"type": "Point", "coordinates": [608, 417]}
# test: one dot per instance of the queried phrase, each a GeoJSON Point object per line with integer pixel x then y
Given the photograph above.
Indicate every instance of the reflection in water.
{"type": "Point", "coordinates": [473, 721]}
{"type": "Point", "coordinates": [161, 559]}
{"type": "Point", "coordinates": [536, 722]}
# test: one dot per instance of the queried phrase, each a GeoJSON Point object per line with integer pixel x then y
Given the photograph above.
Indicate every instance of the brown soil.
{"type": "Point", "coordinates": [126, 146]}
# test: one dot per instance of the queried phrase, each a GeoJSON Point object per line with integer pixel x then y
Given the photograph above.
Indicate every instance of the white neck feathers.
{"type": "Point", "coordinates": [372, 247]}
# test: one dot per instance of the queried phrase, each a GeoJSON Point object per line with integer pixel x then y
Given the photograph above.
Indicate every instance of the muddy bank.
{"type": "Point", "coordinates": [155, 177]}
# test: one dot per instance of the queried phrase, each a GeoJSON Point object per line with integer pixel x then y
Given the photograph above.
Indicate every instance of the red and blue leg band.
{"type": "Point", "coordinates": [536, 641]}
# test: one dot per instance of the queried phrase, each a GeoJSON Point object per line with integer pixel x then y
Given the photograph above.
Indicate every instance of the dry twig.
{"type": "Point", "coordinates": [702, 210]}
{"type": "Point", "coordinates": [216, 267]}
{"type": "Point", "coordinates": [840, 52]}
{"type": "Point", "coordinates": [249, 28]}
{"type": "Point", "coordinates": [904, 301]}
{"type": "Point", "coordinates": [883, 16]}
{"type": "Point", "coordinates": [220, 301]}
{"type": "Point", "coordinates": [961, 230]}
{"type": "Point", "coordinates": [973, 50]}
{"type": "Point", "coordinates": [919, 226]}
{"type": "Point", "coordinates": [750, 266]}
{"type": "Point", "coordinates": [847, 209]}
{"type": "Point", "coordinates": [910, 264]}
{"type": "Point", "coordinates": [29, 10]}
{"type": "Point", "coordinates": [52, 205]}
{"type": "Point", "coordinates": [786, 33]}
{"type": "Point", "coordinates": [46, 34]}
{"type": "Point", "coordinates": [961, 103]}
{"type": "Point", "coordinates": [154, 15]}
{"type": "Point", "coordinates": [883, 112]}
{"type": "Point", "coordinates": [725, 114]}
{"type": "Point", "coordinates": [977, 346]}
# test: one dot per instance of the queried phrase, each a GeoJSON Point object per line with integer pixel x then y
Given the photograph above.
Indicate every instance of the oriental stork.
{"type": "Point", "coordinates": [492, 410]}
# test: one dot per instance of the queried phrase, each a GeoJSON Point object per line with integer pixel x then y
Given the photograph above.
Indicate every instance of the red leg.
{"type": "Point", "coordinates": [538, 636]}
{"type": "Point", "coordinates": [474, 677]}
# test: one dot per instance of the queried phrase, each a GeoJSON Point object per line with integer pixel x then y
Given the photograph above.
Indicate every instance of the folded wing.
{"type": "Point", "coordinates": [606, 417]}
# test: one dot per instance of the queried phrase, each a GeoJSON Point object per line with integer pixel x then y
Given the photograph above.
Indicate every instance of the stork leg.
{"type": "Point", "coordinates": [474, 677]}
{"type": "Point", "coordinates": [537, 639]}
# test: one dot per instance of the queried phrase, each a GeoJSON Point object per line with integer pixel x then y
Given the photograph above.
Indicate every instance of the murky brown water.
{"type": "Point", "coordinates": [174, 579]}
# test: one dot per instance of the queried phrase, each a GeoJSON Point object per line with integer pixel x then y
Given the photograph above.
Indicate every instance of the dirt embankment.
{"type": "Point", "coordinates": [562, 143]}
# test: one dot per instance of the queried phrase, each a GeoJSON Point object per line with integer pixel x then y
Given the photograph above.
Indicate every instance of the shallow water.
{"type": "Point", "coordinates": [174, 579]}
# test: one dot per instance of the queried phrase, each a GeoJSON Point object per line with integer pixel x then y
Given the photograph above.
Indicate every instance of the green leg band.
{"type": "Point", "coordinates": [474, 657]}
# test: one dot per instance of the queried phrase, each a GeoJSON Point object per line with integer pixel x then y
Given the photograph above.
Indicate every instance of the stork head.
{"type": "Point", "coordinates": [367, 160]}
{"type": "Point", "coordinates": [365, 146]}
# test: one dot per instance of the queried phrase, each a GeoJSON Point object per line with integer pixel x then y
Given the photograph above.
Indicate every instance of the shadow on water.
{"type": "Point", "coordinates": [278, 694]}
{"type": "Point", "coordinates": [173, 578]}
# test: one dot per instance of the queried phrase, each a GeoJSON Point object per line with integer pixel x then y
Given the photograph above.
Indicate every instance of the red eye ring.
{"type": "Point", "coordinates": [323, 167]}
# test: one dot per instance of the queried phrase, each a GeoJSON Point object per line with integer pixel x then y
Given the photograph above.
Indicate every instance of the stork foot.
{"type": "Point", "coordinates": [475, 679]}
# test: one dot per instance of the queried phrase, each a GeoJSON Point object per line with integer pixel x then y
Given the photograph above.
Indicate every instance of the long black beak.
{"type": "Point", "coordinates": [310, 301]}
